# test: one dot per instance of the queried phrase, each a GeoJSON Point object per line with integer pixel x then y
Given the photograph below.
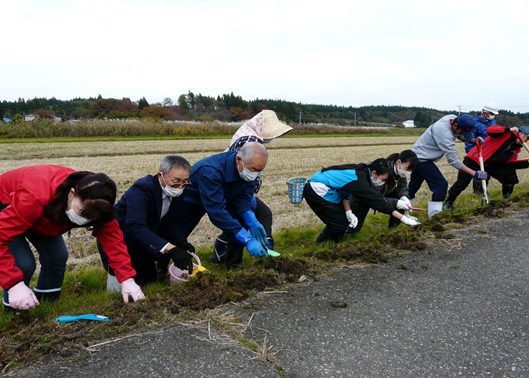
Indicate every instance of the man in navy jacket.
{"type": "Point", "coordinates": [147, 215]}
{"type": "Point", "coordinates": [222, 186]}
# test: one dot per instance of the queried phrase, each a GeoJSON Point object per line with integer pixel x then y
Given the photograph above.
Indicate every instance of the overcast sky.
{"type": "Point", "coordinates": [438, 54]}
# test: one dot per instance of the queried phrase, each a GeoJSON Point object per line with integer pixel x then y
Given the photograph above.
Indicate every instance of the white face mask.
{"type": "Point", "coordinates": [404, 174]}
{"type": "Point", "coordinates": [378, 182]}
{"type": "Point", "coordinates": [490, 117]}
{"type": "Point", "coordinates": [76, 218]}
{"type": "Point", "coordinates": [170, 191]}
{"type": "Point", "coordinates": [401, 172]}
{"type": "Point", "coordinates": [248, 175]}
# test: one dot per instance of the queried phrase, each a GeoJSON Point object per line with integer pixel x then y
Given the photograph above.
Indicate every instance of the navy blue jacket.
{"type": "Point", "coordinates": [480, 130]}
{"type": "Point", "coordinates": [138, 214]}
{"type": "Point", "coordinates": [216, 187]}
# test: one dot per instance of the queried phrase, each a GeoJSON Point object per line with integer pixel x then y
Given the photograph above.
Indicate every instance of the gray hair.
{"type": "Point", "coordinates": [250, 150]}
{"type": "Point", "coordinates": [174, 161]}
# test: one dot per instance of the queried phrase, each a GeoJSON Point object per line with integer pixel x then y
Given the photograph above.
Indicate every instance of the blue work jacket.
{"type": "Point", "coordinates": [217, 188]}
{"type": "Point", "coordinates": [480, 130]}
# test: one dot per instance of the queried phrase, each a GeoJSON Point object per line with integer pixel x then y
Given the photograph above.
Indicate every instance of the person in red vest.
{"type": "Point", "coordinates": [500, 156]}
{"type": "Point", "coordinates": [37, 205]}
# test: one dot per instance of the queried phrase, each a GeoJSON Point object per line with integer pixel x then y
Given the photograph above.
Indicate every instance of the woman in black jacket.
{"type": "Point", "coordinates": [395, 188]}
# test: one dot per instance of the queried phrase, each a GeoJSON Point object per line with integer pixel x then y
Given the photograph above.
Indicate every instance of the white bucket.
{"type": "Point", "coordinates": [177, 275]}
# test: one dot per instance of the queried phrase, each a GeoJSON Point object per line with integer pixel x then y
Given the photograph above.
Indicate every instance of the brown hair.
{"type": "Point", "coordinates": [96, 190]}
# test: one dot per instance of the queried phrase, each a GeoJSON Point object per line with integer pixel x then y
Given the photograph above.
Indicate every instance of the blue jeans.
{"type": "Point", "coordinates": [53, 256]}
{"type": "Point", "coordinates": [434, 178]}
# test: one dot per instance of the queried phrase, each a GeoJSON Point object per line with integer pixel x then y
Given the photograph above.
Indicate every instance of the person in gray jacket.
{"type": "Point", "coordinates": [437, 141]}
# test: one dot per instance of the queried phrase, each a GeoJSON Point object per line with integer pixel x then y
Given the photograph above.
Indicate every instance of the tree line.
{"type": "Point", "coordinates": [230, 107]}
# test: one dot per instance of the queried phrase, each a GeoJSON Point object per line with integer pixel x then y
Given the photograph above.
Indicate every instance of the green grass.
{"type": "Point", "coordinates": [33, 334]}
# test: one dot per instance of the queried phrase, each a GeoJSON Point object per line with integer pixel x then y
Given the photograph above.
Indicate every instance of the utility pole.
{"type": "Point", "coordinates": [355, 119]}
{"type": "Point", "coordinates": [300, 117]}
{"type": "Point", "coordinates": [459, 113]}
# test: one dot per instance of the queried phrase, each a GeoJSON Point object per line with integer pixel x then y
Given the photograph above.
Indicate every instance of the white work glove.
{"type": "Point", "coordinates": [351, 218]}
{"type": "Point", "coordinates": [22, 297]}
{"type": "Point", "coordinates": [401, 205]}
{"type": "Point", "coordinates": [409, 221]}
{"type": "Point", "coordinates": [129, 287]}
{"type": "Point", "coordinates": [411, 217]}
{"type": "Point", "coordinates": [405, 200]}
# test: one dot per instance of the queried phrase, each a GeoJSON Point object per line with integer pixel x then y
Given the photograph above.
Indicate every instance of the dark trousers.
{"type": "Point", "coordinates": [332, 214]}
{"type": "Point", "coordinates": [429, 172]}
{"type": "Point", "coordinates": [360, 210]}
{"type": "Point", "coordinates": [263, 215]}
{"type": "Point", "coordinates": [504, 174]}
{"type": "Point", "coordinates": [143, 261]}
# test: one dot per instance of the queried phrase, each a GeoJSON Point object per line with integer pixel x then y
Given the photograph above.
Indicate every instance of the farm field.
{"type": "Point", "coordinates": [127, 161]}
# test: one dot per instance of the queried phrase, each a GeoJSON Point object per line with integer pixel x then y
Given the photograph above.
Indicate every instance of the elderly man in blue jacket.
{"type": "Point", "coordinates": [222, 186]}
{"type": "Point", "coordinates": [147, 216]}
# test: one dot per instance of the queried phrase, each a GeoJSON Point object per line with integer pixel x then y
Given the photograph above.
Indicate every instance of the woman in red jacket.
{"type": "Point", "coordinates": [40, 203]}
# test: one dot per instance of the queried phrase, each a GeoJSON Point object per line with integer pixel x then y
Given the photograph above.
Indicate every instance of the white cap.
{"type": "Point", "coordinates": [491, 108]}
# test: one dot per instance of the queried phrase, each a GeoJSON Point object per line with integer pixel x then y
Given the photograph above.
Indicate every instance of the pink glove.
{"type": "Point", "coordinates": [129, 287]}
{"type": "Point", "coordinates": [21, 297]}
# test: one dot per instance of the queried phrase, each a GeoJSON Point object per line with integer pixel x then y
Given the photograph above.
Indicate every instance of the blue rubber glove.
{"type": "Point", "coordinates": [253, 246]}
{"type": "Point", "coordinates": [481, 175]}
{"type": "Point", "coordinates": [256, 229]}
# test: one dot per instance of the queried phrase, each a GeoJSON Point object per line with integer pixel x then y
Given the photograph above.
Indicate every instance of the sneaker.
{"type": "Point", "coordinates": [449, 205]}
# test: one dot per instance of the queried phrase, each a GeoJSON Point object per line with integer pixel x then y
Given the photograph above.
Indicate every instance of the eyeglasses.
{"type": "Point", "coordinates": [182, 185]}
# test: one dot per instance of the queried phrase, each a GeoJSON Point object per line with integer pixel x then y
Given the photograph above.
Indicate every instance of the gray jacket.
{"type": "Point", "coordinates": [437, 141]}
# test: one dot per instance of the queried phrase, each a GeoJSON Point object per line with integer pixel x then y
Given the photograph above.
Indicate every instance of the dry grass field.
{"type": "Point", "coordinates": [128, 161]}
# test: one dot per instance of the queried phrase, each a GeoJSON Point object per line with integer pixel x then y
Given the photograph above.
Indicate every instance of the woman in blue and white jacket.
{"type": "Point", "coordinates": [327, 193]}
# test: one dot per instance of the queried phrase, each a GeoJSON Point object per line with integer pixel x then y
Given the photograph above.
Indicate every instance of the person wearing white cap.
{"type": "Point", "coordinates": [483, 121]}
{"type": "Point", "coordinates": [262, 128]}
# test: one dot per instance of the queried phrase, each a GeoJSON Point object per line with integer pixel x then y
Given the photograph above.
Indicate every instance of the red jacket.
{"type": "Point", "coordinates": [26, 191]}
{"type": "Point", "coordinates": [499, 141]}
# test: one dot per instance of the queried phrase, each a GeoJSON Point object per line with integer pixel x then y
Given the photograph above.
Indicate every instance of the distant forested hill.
{"type": "Point", "coordinates": [229, 107]}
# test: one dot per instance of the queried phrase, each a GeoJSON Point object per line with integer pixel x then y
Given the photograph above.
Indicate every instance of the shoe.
{"type": "Point", "coordinates": [478, 188]}
{"type": "Point", "coordinates": [219, 253]}
{"type": "Point", "coordinates": [217, 258]}
{"type": "Point", "coordinates": [507, 190]}
{"type": "Point", "coordinates": [449, 205]}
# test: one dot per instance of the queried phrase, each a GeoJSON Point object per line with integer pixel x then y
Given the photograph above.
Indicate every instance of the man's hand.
{"type": "Point", "coordinates": [181, 259]}
{"type": "Point", "coordinates": [481, 175]}
{"type": "Point", "coordinates": [186, 246]}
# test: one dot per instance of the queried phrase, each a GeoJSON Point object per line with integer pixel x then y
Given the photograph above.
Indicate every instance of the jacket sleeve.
{"type": "Point", "coordinates": [135, 226]}
{"type": "Point", "coordinates": [212, 195]}
{"type": "Point", "coordinates": [367, 194]}
{"type": "Point", "coordinates": [25, 210]}
{"type": "Point", "coordinates": [111, 239]}
{"type": "Point", "coordinates": [446, 143]}
{"type": "Point", "coordinates": [497, 131]}
{"type": "Point", "coordinates": [518, 164]}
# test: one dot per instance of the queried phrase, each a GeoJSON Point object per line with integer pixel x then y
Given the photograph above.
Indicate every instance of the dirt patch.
{"type": "Point", "coordinates": [291, 268]}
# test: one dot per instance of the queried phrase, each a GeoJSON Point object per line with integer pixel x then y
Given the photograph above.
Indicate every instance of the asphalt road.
{"type": "Point", "coordinates": [460, 308]}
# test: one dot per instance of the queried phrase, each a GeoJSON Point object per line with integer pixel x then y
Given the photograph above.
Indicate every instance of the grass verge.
{"type": "Point", "coordinates": [31, 335]}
